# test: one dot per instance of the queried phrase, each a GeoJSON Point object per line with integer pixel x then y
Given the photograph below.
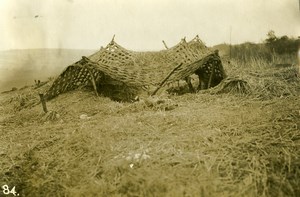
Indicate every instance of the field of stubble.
{"type": "Point", "coordinates": [171, 145]}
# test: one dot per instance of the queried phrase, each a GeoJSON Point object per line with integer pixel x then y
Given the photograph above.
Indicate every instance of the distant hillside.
{"type": "Point", "coordinates": [20, 67]}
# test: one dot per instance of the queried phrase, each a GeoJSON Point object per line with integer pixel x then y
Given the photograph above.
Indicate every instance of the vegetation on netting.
{"type": "Point", "coordinates": [231, 85]}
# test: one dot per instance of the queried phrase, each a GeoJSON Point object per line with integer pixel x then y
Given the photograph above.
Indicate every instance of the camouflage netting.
{"type": "Point", "coordinates": [116, 65]}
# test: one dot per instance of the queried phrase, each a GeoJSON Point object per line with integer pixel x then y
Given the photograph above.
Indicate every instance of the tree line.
{"type": "Point", "coordinates": [270, 47]}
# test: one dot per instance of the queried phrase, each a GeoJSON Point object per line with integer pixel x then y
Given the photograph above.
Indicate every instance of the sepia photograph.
{"type": "Point", "coordinates": [149, 98]}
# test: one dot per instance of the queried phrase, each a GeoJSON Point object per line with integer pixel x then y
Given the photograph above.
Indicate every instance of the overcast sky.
{"type": "Point", "coordinates": [141, 24]}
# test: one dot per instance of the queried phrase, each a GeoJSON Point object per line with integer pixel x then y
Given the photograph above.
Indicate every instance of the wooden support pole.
{"type": "Point", "coordinates": [93, 81]}
{"type": "Point", "coordinates": [43, 102]}
{"type": "Point", "coordinates": [167, 77]}
{"type": "Point", "coordinates": [211, 77]}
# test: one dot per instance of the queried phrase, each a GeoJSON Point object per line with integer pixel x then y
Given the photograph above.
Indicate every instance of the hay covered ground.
{"type": "Point", "coordinates": [203, 144]}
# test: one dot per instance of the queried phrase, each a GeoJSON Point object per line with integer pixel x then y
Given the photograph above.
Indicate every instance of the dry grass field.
{"type": "Point", "coordinates": [203, 144]}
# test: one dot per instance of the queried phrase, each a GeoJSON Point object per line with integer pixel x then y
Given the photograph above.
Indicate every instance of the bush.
{"type": "Point", "coordinates": [282, 45]}
{"type": "Point", "coordinates": [274, 49]}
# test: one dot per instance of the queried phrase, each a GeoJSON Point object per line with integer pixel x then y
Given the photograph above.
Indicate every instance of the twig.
{"type": "Point", "coordinates": [165, 44]}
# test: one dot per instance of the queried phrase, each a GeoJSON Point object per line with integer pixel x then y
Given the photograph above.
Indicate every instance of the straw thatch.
{"type": "Point", "coordinates": [132, 69]}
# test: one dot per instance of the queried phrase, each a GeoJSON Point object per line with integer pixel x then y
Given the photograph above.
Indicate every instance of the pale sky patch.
{"type": "Point", "coordinates": [141, 24]}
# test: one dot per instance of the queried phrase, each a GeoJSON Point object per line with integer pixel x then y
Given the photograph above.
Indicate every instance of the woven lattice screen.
{"type": "Point", "coordinates": [138, 69]}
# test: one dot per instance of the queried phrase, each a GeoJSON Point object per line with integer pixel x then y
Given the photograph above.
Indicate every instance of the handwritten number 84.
{"type": "Point", "coordinates": [6, 190]}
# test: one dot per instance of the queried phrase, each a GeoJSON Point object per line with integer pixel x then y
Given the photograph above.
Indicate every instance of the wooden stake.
{"type": "Point", "coordinates": [167, 77]}
{"type": "Point", "coordinates": [43, 102]}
